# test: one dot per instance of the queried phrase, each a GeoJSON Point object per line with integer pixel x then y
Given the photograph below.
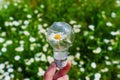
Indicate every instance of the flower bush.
{"type": "Point", "coordinates": [25, 54]}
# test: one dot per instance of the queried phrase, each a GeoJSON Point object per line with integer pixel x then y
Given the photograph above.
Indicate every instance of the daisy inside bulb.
{"type": "Point", "coordinates": [60, 37]}
{"type": "Point", "coordinates": [57, 36]}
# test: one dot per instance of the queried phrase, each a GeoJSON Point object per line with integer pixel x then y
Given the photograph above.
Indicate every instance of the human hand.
{"type": "Point", "coordinates": [51, 74]}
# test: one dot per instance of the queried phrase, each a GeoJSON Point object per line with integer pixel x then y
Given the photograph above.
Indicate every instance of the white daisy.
{"type": "Point", "coordinates": [57, 36]}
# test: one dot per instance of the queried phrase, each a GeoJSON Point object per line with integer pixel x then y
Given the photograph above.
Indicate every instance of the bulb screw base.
{"type": "Point", "coordinates": [60, 58]}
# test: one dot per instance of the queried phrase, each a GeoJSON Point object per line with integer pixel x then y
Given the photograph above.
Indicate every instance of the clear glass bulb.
{"type": "Point", "coordinates": [60, 37]}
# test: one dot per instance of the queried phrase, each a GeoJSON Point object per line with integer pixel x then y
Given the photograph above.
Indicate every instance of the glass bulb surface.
{"type": "Point", "coordinates": [60, 37]}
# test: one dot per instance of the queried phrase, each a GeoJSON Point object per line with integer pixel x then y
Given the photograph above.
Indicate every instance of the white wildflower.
{"type": "Point", "coordinates": [6, 62]}
{"type": "Point", "coordinates": [19, 49]}
{"type": "Point", "coordinates": [39, 15]}
{"type": "Point", "coordinates": [21, 42]}
{"type": "Point", "coordinates": [91, 27]}
{"type": "Point", "coordinates": [42, 6]}
{"type": "Point", "coordinates": [27, 62]}
{"type": "Point", "coordinates": [16, 23]}
{"type": "Point", "coordinates": [7, 77]}
{"type": "Point", "coordinates": [91, 37]}
{"type": "Point", "coordinates": [110, 48]}
{"type": "Point", "coordinates": [12, 75]}
{"type": "Point", "coordinates": [87, 78]}
{"type": "Point", "coordinates": [6, 23]}
{"type": "Point", "coordinates": [113, 14]}
{"type": "Point", "coordinates": [104, 70]}
{"type": "Point", "coordinates": [72, 22]}
{"type": "Point", "coordinates": [50, 59]}
{"type": "Point", "coordinates": [26, 79]}
{"type": "Point", "coordinates": [109, 24]}
{"type": "Point", "coordinates": [23, 26]}
{"type": "Point", "coordinates": [118, 66]}
{"type": "Point", "coordinates": [2, 66]}
{"type": "Point", "coordinates": [106, 41]}
{"type": "Point", "coordinates": [118, 2]}
{"type": "Point", "coordinates": [10, 70]}
{"type": "Point", "coordinates": [29, 16]}
{"type": "Point", "coordinates": [97, 50]}
{"type": "Point", "coordinates": [26, 22]}
{"type": "Point", "coordinates": [5, 6]}
{"type": "Point", "coordinates": [15, 4]}
{"type": "Point", "coordinates": [115, 62]}
{"type": "Point", "coordinates": [74, 62]}
{"type": "Point", "coordinates": [114, 33]}
{"type": "Point", "coordinates": [11, 18]}
{"type": "Point", "coordinates": [106, 57]}
{"type": "Point", "coordinates": [32, 39]}
{"type": "Point", "coordinates": [4, 49]}
{"type": "Point", "coordinates": [76, 28]}
{"type": "Point", "coordinates": [9, 42]}
{"type": "Point", "coordinates": [77, 55]}
{"type": "Point", "coordinates": [37, 59]}
{"type": "Point", "coordinates": [108, 63]}
{"type": "Point", "coordinates": [82, 69]}
{"type": "Point", "coordinates": [112, 41]}
{"type": "Point", "coordinates": [45, 47]}
{"type": "Point", "coordinates": [19, 69]}
{"type": "Point", "coordinates": [2, 71]}
{"type": "Point", "coordinates": [1, 77]}
{"type": "Point", "coordinates": [93, 65]}
{"type": "Point", "coordinates": [85, 33]}
{"type": "Point", "coordinates": [39, 19]}
{"type": "Point", "coordinates": [12, 24]}
{"type": "Point", "coordinates": [9, 65]}
{"type": "Point", "coordinates": [118, 75]}
{"type": "Point", "coordinates": [26, 33]}
{"type": "Point", "coordinates": [81, 62]}
{"type": "Point", "coordinates": [3, 34]}
{"type": "Point", "coordinates": [17, 57]}
{"type": "Point", "coordinates": [97, 76]}
{"type": "Point", "coordinates": [5, 73]}
{"type": "Point", "coordinates": [40, 72]}
{"type": "Point", "coordinates": [70, 58]}
{"type": "Point", "coordinates": [13, 29]}
{"type": "Point", "coordinates": [32, 47]}
{"type": "Point", "coordinates": [77, 48]}
{"type": "Point", "coordinates": [43, 57]}
{"type": "Point", "coordinates": [2, 40]}
{"type": "Point", "coordinates": [45, 25]}
{"type": "Point", "coordinates": [36, 11]}
{"type": "Point", "coordinates": [31, 60]}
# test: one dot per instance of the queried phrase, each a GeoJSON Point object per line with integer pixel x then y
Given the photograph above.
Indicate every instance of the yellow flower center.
{"type": "Point", "coordinates": [57, 36]}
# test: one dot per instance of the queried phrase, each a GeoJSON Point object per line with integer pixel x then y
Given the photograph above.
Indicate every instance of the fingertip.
{"type": "Point", "coordinates": [53, 65]}
{"type": "Point", "coordinates": [67, 67]}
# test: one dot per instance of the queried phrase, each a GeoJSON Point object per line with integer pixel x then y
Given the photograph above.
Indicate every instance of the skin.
{"type": "Point", "coordinates": [51, 73]}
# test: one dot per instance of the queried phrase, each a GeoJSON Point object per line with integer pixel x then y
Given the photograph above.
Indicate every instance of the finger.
{"type": "Point", "coordinates": [50, 72]}
{"type": "Point", "coordinates": [65, 77]}
{"type": "Point", "coordinates": [63, 71]}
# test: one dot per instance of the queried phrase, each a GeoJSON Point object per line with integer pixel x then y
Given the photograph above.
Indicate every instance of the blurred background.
{"type": "Point", "coordinates": [25, 54]}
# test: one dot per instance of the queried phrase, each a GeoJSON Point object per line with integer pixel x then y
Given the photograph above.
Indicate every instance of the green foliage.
{"type": "Point", "coordinates": [95, 50]}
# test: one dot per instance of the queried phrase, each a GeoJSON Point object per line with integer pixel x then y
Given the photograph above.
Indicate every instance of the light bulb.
{"type": "Point", "coordinates": [60, 37]}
